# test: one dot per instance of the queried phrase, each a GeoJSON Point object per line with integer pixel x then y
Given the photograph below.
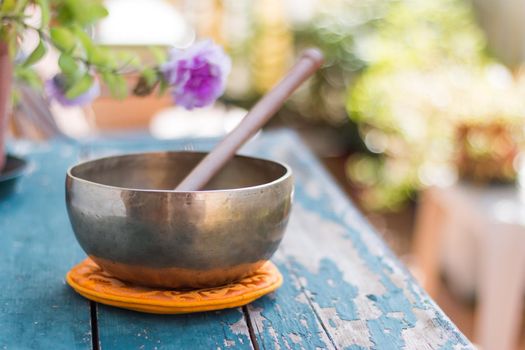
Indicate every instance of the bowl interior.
{"type": "Point", "coordinates": [164, 170]}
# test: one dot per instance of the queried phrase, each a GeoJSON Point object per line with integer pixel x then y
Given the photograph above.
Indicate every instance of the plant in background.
{"type": "Point", "coordinates": [488, 151]}
{"type": "Point", "coordinates": [196, 76]}
{"type": "Point", "coordinates": [263, 44]}
{"type": "Point", "coordinates": [428, 73]}
{"type": "Point", "coordinates": [338, 28]}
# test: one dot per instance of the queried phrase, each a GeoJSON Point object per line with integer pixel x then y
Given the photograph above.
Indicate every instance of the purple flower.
{"type": "Point", "coordinates": [197, 74]}
{"type": "Point", "coordinates": [56, 90]}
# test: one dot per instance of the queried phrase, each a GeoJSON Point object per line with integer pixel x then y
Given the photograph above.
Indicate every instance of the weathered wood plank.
{"type": "Point", "coordinates": [363, 296]}
{"type": "Point", "coordinates": [285, 319]}
{"type": "Point", "coordinates": [122, 329]}
{"type": "Point", "coordinates": [37, 247]}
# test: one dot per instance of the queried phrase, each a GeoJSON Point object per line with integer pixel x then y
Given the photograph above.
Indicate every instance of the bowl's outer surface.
{"type": "Point", "coordinates": [127, 219]}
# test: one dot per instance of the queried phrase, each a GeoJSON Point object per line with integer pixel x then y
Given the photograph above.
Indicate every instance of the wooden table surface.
{"type": "Point", "coordinates": [343, 289]}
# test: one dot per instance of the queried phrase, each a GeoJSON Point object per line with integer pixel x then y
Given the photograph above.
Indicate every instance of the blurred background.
{"type": "Point", "coordinates": [418, 113]}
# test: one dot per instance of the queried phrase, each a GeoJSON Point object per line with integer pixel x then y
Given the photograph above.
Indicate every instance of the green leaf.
{"type": "Point", "coordinates": [158, 54]}
{"type": "Point", "coordinates": [21, 5]}
{"type": "Point", "coordinates": [85, 12]}
{"type": "Point", "coordinates": [44, 13]}
{"type": "Point", "coordinates": [84, 38]}
{"type": "Point", "coordinates": [97, 11]}
{"type": "Point", "coordinates": [117, 84]}
{"type": "Point", "coordinates": [8, 5]}
{"type": "Point", "coordinates": [63, 39]}
{"type": "Point", "coordinates": [80, 86]}
{"type": "Point", "coordinates": [36, 55]}
{"type": "Point", "coordinates": [163, 86]}
{"type": "Point", "coordinates": [12, 45]}
{"type": "Point", "coordinates": [150, 76]}
{"type": "Point", "coordinates": [98, 56]}
{"type": "Point", "coordinates": [67, 64]}
{"type": "Point", "coordinates": [63, 14]}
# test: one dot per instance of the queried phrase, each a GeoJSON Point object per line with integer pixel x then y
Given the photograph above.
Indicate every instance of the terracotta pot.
{"type": "Point", "coordinates": [132, 113]}
{"type": "Point", "coordinates": [6, 76]}
{"type": "Point", "coordinates": [487, 151]}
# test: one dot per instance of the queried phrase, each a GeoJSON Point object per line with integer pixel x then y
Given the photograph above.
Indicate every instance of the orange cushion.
{"type": "Point", "coordinates": [89, 280]}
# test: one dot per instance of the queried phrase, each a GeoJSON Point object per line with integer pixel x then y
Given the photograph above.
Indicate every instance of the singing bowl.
{"type": "Point", "coordinates": [129, 220]}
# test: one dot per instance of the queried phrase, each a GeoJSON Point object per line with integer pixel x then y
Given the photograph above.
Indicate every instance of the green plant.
{"type": "Point", "coordinates": [64, 25]}
{"type": "Point", "coordinates": [195, 76]}
{"type": "Point", "coordinates": [427, 72]}
{"type": "Point", "coordinates": [339, 28]}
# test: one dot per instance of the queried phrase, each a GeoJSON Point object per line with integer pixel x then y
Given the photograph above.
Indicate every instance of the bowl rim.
{"type": "Point", "coordinates": [287, 174]}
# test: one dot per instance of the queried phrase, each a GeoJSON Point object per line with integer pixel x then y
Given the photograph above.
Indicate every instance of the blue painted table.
{"type": "Point", "coordinates": [343, 288]}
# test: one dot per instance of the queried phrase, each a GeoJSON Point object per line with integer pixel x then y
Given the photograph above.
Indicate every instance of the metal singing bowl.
{"type": "Point", "coordinates": [128, 219]}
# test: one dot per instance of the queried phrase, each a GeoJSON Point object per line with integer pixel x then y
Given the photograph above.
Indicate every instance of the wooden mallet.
{"type": "Point", "coordinates": [308, 63]}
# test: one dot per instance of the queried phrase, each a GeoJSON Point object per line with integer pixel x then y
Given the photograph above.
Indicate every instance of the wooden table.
{"type": "Point", "coordinates": [343, 288]}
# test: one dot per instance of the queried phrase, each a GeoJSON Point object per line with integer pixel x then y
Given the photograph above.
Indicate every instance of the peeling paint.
{"type": "Point", "coordinates": [282, 324]}
{"type": "Point", "coordinates": [347, 272]}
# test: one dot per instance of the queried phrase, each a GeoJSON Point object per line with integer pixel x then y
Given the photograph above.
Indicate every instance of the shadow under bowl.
{"type": "Point", "coordinates": [13, 170]}
{"type": "Point", "coordinates": [128, 219]}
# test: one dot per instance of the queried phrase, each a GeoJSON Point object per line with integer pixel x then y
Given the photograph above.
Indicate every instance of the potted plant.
{"type": "Point", "coordinates": [195, 76]}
